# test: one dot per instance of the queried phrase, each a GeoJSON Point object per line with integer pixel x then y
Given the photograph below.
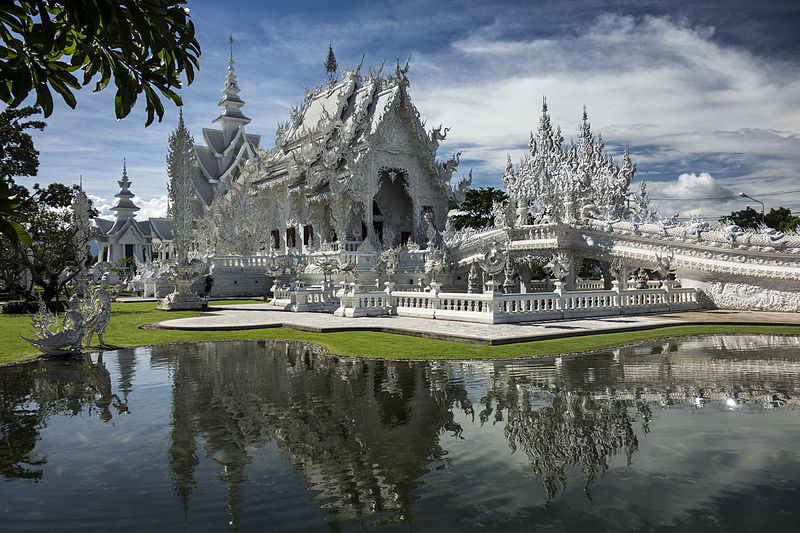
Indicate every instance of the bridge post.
{"type": "Point", "coordinates": [558, 290]}
{"type": "Point", "coordinates": [615, 290]}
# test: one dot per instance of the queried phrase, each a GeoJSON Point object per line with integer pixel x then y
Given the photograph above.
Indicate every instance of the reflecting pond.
{"type": "Point", "coordinates": [681, 434]}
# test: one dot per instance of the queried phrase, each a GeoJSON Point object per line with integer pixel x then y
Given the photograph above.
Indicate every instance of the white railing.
{"type": "Point", "coordinates": [494, 307]}
{"type": "Point", "coordinates": [228, 261]}
{"type": "Point", "coordinates": [589, 284]}
{"type": "Point", "coordinates": [356, 302]}
{"type": "Point", "coordinates": [300, 298]}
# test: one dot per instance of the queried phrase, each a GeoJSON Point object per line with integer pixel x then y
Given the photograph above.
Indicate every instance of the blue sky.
{"type": "Point", "coordinates": [707, 94]}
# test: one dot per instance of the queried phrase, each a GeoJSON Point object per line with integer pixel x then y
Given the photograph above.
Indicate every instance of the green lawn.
{"type": "Point", "coordinates": [126, 319]}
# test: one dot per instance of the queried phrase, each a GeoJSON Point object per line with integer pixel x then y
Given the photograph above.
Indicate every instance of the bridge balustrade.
{"type": "Point", "coordinates": [495, 307]}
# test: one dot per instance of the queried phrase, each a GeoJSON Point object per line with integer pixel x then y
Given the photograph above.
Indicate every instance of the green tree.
{"type": "Point", "coordinates": [145, 45]}
{"type": "Point", "coordinates": [18, 157]}
{"type": "Point", "coordinates": [478, 207]}
{"type": "Point", "coordinates": [746, 218]}
{"type": "Point", "coordinates": [49, 222]}
{"type": "Point", "coordinates": [780, 218]}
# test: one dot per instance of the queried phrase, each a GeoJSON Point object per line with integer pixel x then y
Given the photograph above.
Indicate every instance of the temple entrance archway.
{"type": "Point", "coordinates": [392, 212]}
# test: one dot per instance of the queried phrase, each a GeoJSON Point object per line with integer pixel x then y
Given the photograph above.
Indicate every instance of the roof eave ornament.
{"type": "Point", "coordinates": [400, 78]}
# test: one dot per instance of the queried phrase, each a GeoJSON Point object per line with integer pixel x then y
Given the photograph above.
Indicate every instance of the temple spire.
{"type": "Point", "coordinates": [124, 207]}
{"type": "Point", "coordinates": [331, 64]}
{"type": "Point", "coordinates": [231, 116]}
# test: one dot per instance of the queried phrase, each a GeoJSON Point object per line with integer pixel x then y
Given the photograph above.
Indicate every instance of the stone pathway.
{"type": "Point", "coordinates": [257, 316]}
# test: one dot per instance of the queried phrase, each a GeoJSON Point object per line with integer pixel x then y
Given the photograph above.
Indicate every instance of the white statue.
{"type": "Point", "coordinates": [97, 312]}
{"type": "Point", "coordinates": [560, 265]}
{"type": "Point", "coordinates": [771, 235]}
{"type": "Point", "coordinates": [64, 342]}
{"type": "Point", "coordinates": [732, 232]}
{"type": "Point", "coordinates": [569, 184]}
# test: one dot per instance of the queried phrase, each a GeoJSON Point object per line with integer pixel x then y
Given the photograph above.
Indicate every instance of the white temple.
{"type": "Point", "coordinates": [125, 238]}
{"type": "Point", "coordinates": [354, 163]}
{"type": "Point", "coordinates": [348, 213]}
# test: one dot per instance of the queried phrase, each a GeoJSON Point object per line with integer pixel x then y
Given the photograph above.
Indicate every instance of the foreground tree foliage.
{"type": "Point", "coordinates": [37, 232]}
{"type": "Point", "coordinates": [145, 45]}
{"type": "Point", "coordinates": [18, 157]}
{"type": "Point", "coordinates": [478, 205]}
{"type": "Point", "coordinates": [780, 218]}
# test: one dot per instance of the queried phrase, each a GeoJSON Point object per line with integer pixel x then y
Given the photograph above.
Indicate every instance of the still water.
{"type": "Point", "coordinates": [267, 436]}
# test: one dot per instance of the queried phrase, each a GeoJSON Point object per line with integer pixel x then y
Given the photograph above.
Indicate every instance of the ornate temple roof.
{"type": "Point", "coordinates": [328, 134]}
{"type": "Point", "coordinates": [125, 217]}
{"type": "Point", "coordinates": [224, 149]}
{"type": "Point", "coordinates": [161, 228]}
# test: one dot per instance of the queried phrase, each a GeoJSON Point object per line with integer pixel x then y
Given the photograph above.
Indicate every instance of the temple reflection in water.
{"type": "Point", "coordinates": [363, 432]}
{"type": "Point", "coordinates": [365, 435]}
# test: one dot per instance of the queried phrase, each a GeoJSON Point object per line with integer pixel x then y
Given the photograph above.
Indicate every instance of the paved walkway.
{"type": "Point", "coordinates": [257, 316]}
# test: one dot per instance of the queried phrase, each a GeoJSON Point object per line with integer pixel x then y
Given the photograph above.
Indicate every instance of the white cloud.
{"type": "Point", "coordinates": [693, 194]}
{"type": "Point", "coordinates": [152, 208]}
{"type": "Point", "coordinates": [103, 206]}
{"type": "Point", "coordinates": [696, 186]}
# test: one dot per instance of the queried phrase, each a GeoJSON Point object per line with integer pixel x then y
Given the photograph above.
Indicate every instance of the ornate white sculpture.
{"type": "Point", "coordinates": [472, 278]}
{"type": "Point", "coordinates": [183, 271]}
{"type": "Point", "coordinates": [328, 264]}
{"type": "Point", "coordinates": [560, 265]}
{"type": "Point", "coordinates": [389, 258]}
{"type": "Point", "coordinates": [568, 184]}
{"type": "Point", "coordinates": [435, 263]}
{"type": "Point", "coordinates": [97, 312]}
{"type": "Point", "coordinates": [64, 342]}
{"type": "Point", "coordinates": [732, 232]}
{"type": "Point", "coordinates": [771, 235]}
{"type": "Point", "coordinates": [665, 268]}
{"type": "Point", "coordinates": [494, 261]}
{"type": "Point", "coordinates": [697, 228]}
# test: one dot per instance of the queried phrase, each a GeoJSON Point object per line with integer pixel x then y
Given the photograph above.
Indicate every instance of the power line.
{"type": "Point", "coordinates": [777, 193]}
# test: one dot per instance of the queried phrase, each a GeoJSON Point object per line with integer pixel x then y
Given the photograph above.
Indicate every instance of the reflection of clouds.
{"type": "Point", "coordinates": [33, 393]}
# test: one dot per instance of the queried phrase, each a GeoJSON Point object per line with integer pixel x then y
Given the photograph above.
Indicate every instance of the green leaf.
{"type": "Point", "coordinates": [14, 232]}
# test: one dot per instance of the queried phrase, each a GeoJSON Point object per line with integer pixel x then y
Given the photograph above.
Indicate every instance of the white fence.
{"type": "Point", "coordinates": [496, 308]}
{"type": "Point", "coordinates": [300, 298]}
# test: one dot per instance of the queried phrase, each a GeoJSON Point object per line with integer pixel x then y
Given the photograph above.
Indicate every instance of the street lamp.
{"type": "Point", "coordinates": [743, 195]}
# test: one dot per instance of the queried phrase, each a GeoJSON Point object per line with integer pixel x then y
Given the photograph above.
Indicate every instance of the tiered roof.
{"type": "Point", "coordinates": [124, 208]}
{"type": "Point", "coordinates": [224, 149]}
{"type": "Point", "coordinates": [125, 216]}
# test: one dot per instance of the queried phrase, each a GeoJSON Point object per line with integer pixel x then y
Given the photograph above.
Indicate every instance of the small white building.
{"type": "Point", "coordinates": [125, 238]}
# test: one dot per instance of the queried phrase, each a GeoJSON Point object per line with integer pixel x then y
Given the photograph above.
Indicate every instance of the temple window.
{"type": "Point", "coordinates": [291, 239]}
{"type": "Point", "coordinates": [276, 239]}
{"type": "Point", "coordinates": [308, 235]}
